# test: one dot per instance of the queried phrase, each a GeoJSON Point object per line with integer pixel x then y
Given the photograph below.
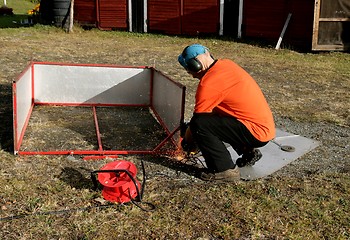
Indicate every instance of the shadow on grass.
{"type": "Point", "coordinates": [75, 178]}
{"type": "Point", "coordinates": [6, 123]}
{"type": "Point", "coordinates": [177, 166]}
{"type": "Point", "coordinates": [79, 177]}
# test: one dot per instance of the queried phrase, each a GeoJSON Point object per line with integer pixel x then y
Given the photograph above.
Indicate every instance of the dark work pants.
{"type": "Point", "coordinates": [210, 131]}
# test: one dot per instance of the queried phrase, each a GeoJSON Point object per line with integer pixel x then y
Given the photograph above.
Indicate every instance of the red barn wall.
{"type": "Point", "coordinates": [113, 14]}
{"type": "Point", "coordinates": [265, 20]}
{"type": "Point", "coordinates": [85, 12]}
{"type": "Point", "coordinates": [105, 14]}
{"type": "Point", "coordinates": [164, 16]}
{"type": "Point", "coordinates": [261, 19]}
{"type": "Point", "coordinates": [189, 17]}
{"type": "Point", "coordinates": [200, 16]}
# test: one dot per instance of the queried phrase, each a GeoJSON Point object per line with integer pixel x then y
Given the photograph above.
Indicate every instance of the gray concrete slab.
{"type": "Point", "coordinates": [274, 157]}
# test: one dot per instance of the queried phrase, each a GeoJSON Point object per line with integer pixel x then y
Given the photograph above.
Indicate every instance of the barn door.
{"type": "Point", "coordinates": [112, 14]}
{"type": "Point", "coordinates": [331, 25]}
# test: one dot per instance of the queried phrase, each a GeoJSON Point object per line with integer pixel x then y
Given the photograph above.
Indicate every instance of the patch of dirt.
{"type": "Point", "coordinates": [62, 128]}
{"type": "Point", "coordinates": [331, 156]}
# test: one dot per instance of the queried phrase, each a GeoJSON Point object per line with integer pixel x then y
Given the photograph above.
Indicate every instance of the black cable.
{"type": "Point", "coordinates": [143, 179]}
{"type": "Point", "coordinates": [193, 158]}
{"type": "Point", "coordinates": [136, 202]}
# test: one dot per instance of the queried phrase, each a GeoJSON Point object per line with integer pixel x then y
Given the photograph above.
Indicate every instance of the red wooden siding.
{"type": "Point", "coordinates": [300, 28]}
{"type": "Point", "coordinates": [265, 20]}
{"type": "Point", "coordinates": [85, 12]}
{"type": "Point", "coordinates": [200, 16]}
{"type": "Point", "coordinates": [164, 16]}
{"type": "Point", "coordinates": [112, 14]}
{"type": "Point", "coordinates": [190, 17]}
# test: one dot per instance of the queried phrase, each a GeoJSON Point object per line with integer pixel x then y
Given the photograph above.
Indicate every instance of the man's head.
{"type": "Point", "coordinates": [195, 59]}
{"type": "Point", "coordinates": [188, 57]}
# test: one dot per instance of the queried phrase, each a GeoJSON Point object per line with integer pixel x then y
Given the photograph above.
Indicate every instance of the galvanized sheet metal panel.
{"type": "Point", "coordinates": [168, 101]}
{"type": "Point", "coordinates": [94, 85]}
{"type": "Point", "coordinates": [274, 158]}
{"type": "Point", "coordinates": [97, 85]}
{"type": "Point", "coordinates": [22, 103]}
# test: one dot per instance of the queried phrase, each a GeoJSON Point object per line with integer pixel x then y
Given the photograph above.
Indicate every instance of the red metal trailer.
{"type": "Point", "coordinates": [61, 108]}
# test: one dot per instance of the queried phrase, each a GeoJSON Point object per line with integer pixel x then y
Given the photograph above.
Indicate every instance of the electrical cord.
{"type": "Point", "coordinates": [137, 202]}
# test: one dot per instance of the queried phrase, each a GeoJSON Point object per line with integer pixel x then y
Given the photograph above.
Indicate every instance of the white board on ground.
{"type": "Point", "coordinates": [274, 158]}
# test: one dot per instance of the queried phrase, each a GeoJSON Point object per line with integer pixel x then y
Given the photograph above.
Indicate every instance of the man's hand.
{"type": "Point", "coordinates": [183, 128]}
{"type": "Point", "coordinates": [188, 144]}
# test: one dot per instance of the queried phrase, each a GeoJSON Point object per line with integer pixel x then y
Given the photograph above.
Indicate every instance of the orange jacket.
{"type": "Point", "coordinates": [228, 89]}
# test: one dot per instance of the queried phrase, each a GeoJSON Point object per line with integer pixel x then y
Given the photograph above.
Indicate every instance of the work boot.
{"type": "Point", "coordinates": [230, 175]}
{"type": "Point", "coordinates": [249, 158]}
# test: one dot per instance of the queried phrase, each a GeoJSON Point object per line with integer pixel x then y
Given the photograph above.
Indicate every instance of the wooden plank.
{"type": "Point", "coordinates": [330, 48]}
{"type": "Point", "coordinates": [334, 19]}
{"type": "Point", "coordinates": [71, 16]}
{"type": "Point", "coordinates": [316, 24]}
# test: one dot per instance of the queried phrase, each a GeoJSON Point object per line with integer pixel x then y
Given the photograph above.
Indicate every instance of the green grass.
{"type": "Point", "coordinates": [20, 7]}
{"type": "Point", "coordinates": [20, 14]}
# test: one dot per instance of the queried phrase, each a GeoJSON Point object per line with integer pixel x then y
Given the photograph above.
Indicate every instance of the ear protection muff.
{"type": "Point", "coordinates": [194, 65]}
{"type": "Point", "coordinates": [191, 64]}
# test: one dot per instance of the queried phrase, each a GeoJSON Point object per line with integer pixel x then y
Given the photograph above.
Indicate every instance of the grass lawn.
{"type": "Point", "coordinates": [52, 196]}
{"type": "Point", "coordinates": [20, 13]}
